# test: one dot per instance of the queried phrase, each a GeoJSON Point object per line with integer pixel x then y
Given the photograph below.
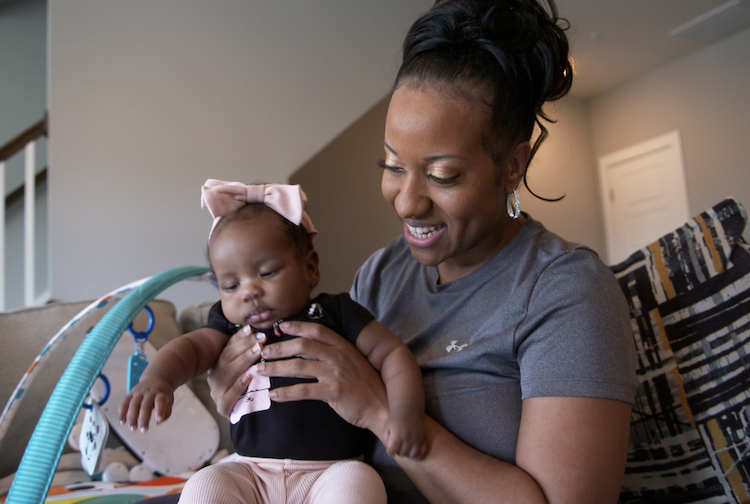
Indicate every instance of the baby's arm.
{"type": "Point", "coordinates": [405, 432]}
{"type": "Point", "coordinates": [173, 365]}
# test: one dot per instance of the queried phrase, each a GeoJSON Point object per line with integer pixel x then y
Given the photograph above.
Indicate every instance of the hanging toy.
{"type": "Point", "coordinates": [137, 362]}
{"type": "Point", "coordinates": [94, 432]}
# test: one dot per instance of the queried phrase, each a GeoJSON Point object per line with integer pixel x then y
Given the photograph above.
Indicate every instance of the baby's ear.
{"type": "Point", "coordinates": [311, 266]}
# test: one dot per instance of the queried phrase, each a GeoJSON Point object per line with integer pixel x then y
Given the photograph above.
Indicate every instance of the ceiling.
{"type": "Point", "coordinates": [613, 41]}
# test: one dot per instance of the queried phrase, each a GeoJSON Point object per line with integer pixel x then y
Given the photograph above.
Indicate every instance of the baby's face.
{"type": "Point", "coordinates": [260, 276]}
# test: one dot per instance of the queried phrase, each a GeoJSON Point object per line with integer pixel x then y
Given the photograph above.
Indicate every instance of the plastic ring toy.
{"type": "Point", "coordinates": [104, 398]}
{"type": "Point", "coordinates": [142, 336]}
{"type": "Point", "coordinates": [37, 467]}
{"type": "Point", "coordinates": [26, 380]}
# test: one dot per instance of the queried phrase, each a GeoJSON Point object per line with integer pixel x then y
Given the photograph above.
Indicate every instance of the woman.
{"type": "Point", "coordinates": [523, 338]}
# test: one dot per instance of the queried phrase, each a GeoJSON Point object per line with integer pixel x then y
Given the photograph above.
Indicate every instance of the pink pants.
{"type": "Point", "coordinates": [250, 480]}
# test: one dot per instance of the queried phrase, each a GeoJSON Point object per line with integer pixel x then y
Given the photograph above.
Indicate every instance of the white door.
{"type": "Point", "coordinates": [644, 194]}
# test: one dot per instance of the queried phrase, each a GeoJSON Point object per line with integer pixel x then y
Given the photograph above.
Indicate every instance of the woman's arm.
{"type": "Point", "coordinates": [570, 450]}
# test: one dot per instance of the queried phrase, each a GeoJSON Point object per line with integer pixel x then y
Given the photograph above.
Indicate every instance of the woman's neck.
{"type": "Point", "coordinates": [450, 271]}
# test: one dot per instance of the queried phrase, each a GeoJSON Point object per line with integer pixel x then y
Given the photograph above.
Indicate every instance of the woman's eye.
{"type": "Point", "coordinates": [443, 180]}
{"type": "Point", "coordinates": [390, 168]}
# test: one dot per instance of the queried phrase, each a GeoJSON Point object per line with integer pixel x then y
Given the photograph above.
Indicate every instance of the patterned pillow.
{"type": "Point", "coordinates": [689, 296]}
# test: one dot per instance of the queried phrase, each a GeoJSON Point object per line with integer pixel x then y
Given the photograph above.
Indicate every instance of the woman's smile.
{"type": "Point", "coordinates": [424, 235]}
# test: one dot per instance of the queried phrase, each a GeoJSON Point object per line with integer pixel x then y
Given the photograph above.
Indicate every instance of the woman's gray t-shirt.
{"type": "Point", "coordinates": [544, 317]}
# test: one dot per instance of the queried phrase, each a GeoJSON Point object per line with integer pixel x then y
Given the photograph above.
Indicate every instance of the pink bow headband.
{"type": "Point", "coordinates": [222, 198]}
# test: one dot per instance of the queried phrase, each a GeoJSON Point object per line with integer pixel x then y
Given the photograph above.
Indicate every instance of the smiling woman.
{"type": "Point", "coordinates": [523, 338]}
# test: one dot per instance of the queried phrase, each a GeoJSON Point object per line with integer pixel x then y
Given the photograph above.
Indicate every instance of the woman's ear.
{"type": "Point", "coordinates": [311, 266]}
{"type": "Point", "coordinates": [517, 164]}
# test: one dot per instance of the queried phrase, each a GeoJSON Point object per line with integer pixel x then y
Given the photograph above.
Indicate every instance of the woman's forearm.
{"type": "Point", "coordinates": [454, 473]}
{"type": "Point", "coordinates": [570, 450]}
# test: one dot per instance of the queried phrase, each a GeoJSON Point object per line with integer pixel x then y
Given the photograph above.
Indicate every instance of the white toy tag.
{"type": "Point", "coordinates": [94, 432]}
{"type": "Point", "coordinates": [255, 399]}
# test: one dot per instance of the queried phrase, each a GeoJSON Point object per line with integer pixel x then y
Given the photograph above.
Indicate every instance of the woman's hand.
{"type": "Point", "coordinates": [228, 379]}
{"type": "Point", "coordinates": [345, 379]}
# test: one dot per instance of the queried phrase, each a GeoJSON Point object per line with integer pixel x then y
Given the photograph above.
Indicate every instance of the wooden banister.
{"type": "Point", "coordinates": [17, 195]}
{"type": "Point", "coordinates": [25, 141]}
{"type": "Point", "coordinates": [19, 142]}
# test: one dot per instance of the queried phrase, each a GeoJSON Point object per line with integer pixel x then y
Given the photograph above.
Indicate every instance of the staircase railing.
{"type": "Point", "coordinates": [24, 141]}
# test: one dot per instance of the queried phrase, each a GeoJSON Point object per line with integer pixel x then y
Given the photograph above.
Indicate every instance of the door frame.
{"type": "Point", "coordinates": [671, 143]}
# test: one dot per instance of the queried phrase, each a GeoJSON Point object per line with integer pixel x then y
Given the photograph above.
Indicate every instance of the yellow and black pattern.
{"type": "Point", "coordinates": [689, 296]}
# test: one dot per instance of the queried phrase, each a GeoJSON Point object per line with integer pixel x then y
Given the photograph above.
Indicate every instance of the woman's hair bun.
{"type": "Point", "coordinates": [523, 36]}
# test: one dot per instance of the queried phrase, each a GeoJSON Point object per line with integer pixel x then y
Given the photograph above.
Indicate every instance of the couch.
{"type": "Point", "coordinates": [689, 297]}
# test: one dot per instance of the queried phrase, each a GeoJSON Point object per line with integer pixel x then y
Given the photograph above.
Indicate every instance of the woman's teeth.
{"type": "Point", "coordinates": [422, 232]}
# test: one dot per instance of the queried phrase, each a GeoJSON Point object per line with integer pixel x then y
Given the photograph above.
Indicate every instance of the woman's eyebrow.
{"type": "Point", "coordinates": [428, 159]}
{"type": "Point", "coordinates": [389, 148]}
{"type": "Point", "coordinates": [441, 157]}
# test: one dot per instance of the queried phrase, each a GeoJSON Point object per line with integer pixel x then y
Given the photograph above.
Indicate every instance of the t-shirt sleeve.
{"type": "Point", "coordinates": [363, 285]}
{"type": "Point", "coordinates": [576, 338]}
{"type": "Point", "coordinates": [352, 317]}
{"type": "Point", "coordinates": [216, 320]}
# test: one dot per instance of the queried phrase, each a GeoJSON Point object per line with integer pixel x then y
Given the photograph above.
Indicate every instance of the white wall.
{"type": "Point", "coordinates": [23, 102]}
{"type": "Point", "coordinates": [564, 165]}
{"type": "Point", "coordinates": [23, 66]}
{"type": "Point", "coordinates": [148, 99]}
{"type": "Point", "coordinates": [703, 95]}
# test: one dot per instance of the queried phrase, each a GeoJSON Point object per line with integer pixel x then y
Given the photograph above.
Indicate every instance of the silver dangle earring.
{"type": "Point", "coordinates": [513, 203]}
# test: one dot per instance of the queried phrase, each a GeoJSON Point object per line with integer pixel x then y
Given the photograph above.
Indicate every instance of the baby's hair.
{"type": "Point", "coordinates": [298, 235]}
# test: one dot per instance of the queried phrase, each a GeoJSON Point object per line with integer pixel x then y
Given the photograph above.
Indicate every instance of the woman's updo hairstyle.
{"type": "Point", "coordinates": [516, 48]}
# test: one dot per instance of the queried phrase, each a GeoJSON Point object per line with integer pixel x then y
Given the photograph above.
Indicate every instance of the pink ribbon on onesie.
{"type": "Point", "coordinates": [256, 397]}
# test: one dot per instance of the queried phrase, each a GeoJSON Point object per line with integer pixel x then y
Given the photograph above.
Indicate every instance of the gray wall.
{"type": "Point", "coordinates": [23, 66]}
{"type": "Point", "coordinates": [564, 166]}
{"type": "Point", "coordinates": [23, 102]}
{"type": "Point", "coordinates": [342, 183]}
{"type": "Point", "coordinates": [705, 97]}
{"type": "Point", "coordinates": [148, 99]}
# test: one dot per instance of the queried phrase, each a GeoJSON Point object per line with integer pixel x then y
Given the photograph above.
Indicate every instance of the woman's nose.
{"type": "Point", "coordinates": [411, 201]}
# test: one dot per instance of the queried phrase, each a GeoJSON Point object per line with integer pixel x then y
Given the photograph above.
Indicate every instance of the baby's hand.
{"type": "Point", "coordinates": [405, 433]}
{"type": "Point", "coordinates": [150, 394]}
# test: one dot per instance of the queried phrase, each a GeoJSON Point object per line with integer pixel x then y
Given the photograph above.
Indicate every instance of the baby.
{"type": "Point", "coordinates": [261, 252]}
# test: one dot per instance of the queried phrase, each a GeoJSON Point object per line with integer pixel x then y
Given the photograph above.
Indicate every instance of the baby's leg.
{"type": "Point", "coordinates": [346, 482]}
{"type": "Point", "coordinates": [226, 483]}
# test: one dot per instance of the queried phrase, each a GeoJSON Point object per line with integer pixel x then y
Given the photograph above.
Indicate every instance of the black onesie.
{"type": "Point", "coordinates": [302, 430]}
